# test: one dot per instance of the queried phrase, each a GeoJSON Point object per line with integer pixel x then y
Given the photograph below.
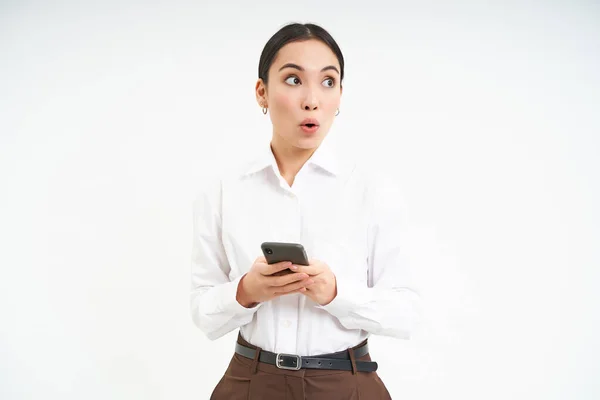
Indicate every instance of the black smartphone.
{"type": "Point", "coordinates": [275, 252]}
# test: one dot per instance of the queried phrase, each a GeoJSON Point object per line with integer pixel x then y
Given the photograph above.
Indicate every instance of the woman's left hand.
{"type": "Point", "coordinates": [324, 287]}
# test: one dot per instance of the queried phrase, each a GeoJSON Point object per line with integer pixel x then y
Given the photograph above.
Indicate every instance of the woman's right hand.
{"type": "Point", "coordinates": [259, 284]}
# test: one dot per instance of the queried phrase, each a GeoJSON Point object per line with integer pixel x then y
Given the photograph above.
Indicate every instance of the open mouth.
{"type": "Point", "coordinates": [310, 123]}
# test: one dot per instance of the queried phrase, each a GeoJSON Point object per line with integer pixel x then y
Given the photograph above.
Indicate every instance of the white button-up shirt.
{"type": "Point", "coordinates": [343, 213]}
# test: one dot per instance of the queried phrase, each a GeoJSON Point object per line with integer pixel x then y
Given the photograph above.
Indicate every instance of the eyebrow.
{"type": "Point", "coordinates": [299, 68]}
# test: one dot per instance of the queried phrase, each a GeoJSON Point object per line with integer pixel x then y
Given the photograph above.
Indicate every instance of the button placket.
{"type": "Point", "coordinates": [288, 318]}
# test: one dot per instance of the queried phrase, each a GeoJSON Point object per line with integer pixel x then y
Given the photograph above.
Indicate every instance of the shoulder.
{"type": "Point", "coordinates": [210, 183]}
{"type": "Point", "coordinates": [382, 189]}
{"type": "Point", "coordinates": [376, 177]}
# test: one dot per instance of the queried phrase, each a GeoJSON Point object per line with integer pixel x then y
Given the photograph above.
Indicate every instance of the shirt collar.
{"type": "Point", "coordinates": [324, 157]}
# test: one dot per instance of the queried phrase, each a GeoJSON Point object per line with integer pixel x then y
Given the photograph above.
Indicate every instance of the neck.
{"type": "Point", "coordinates": [290, 159]}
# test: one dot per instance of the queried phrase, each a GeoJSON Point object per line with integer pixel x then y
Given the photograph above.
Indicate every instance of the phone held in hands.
{"type": "Point", "coordinates": [275, 252]}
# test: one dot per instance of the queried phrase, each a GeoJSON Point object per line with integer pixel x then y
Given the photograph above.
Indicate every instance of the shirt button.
{"type": "Point", "coordinates": [286, 323]}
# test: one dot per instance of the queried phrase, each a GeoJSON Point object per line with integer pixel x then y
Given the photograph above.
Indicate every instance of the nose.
{"type": "Point", "coordinates": [311, 101]}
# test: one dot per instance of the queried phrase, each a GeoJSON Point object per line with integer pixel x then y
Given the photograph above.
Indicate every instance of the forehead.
{"type": "Point", "coordinates": [310, 54]}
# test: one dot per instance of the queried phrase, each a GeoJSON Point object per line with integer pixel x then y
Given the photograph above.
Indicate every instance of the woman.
{"type": "Point", "coordinates": [303, 335]}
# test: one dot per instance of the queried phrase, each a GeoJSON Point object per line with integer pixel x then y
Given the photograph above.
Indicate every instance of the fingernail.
{"type": "Point", "coordinates": [294, 267]}
{"type": "Point", "coordinates": [309, 282]}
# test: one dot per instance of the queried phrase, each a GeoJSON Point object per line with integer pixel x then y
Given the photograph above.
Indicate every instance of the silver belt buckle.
{"type": "Point", "coordinates": [288, 361]}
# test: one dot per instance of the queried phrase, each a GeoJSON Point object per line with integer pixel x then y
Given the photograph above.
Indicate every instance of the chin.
{"type": "Point", "coordinates": [309, 142]}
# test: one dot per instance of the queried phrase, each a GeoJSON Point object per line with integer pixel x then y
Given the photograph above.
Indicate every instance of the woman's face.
{"type": "Point", "coordinates": [304, 82]}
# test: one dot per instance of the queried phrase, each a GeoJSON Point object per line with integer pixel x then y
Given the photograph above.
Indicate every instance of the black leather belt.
{"type": "Point", "coordinates": [338, 361]}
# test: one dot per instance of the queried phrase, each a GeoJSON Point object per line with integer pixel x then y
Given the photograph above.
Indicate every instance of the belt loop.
{"type": "Point", "coordinates": [352, 360]}
{"type": "Point", "coordinates": [255, 360]}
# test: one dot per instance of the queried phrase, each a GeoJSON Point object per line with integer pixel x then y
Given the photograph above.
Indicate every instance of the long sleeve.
{"type": "Point", "coordinates": [388, 305]}
{"type": "Point", "coordinates": [213, 303]}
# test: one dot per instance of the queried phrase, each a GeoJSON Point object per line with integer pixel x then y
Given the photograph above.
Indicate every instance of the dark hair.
{"type": "Point", "coordinates": [296, 32]}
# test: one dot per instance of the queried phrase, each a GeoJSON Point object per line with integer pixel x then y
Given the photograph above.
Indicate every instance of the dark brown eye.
{"type": "Point", "coordinates": [331, 82]}
{"type": "Point", "coordinates": [295, 80]}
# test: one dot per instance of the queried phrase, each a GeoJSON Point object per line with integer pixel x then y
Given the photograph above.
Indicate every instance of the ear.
{"type": "Point", "coordinates": [261, 93]}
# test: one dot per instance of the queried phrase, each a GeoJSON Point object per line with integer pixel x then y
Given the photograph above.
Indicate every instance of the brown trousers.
{"type": "Point", "coordinates": [252, 380]}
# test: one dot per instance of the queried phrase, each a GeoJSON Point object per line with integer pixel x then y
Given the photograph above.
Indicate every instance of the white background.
{"type": "Point", "coordinates": [110, 112]}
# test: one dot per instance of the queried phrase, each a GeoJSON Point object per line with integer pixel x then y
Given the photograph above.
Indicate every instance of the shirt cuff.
{"type": "Point", "coordinates": [350, 294]}
{"type": "Point", "coordinates": [229, 301]}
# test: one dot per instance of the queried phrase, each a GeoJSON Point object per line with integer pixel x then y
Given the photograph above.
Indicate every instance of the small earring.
{"type": "Point", "coordinates": [264, 110]}
{"type": "Point", "coordinates": [337, 112]}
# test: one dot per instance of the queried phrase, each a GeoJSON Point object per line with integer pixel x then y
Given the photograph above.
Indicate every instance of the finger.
{"type": "Point", "coordinates": [287, 279]}
{"type": "Point", "coordinates": [292, 287]}
{"type": "Point", "coordinates": [301, 290]}
{"type": "Point", "coordinates": [309, 269]}
{"type": "Point", "coordinates": [268, 269]}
